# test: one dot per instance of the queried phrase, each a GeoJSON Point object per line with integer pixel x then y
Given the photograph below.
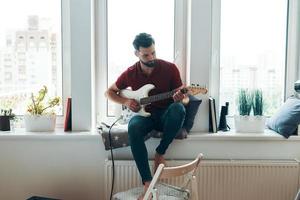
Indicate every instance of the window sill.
{"type": "Point", "coordinates": [193, 136]}
{"type": "Point", "coordinates": [59, 133]}
{"type": "Point", "coordinates": [222, 145]}
{"type": "Point", "coordinates": [233, 136]}
{"type": "Point", "coordinates": [225, 145]}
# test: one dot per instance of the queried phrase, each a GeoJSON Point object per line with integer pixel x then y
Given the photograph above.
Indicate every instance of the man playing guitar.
{"type": "Point", "coordinates": [166, 115]}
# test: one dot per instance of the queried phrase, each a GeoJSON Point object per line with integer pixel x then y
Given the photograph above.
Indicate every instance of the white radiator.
{"type": "Point", "coordinates": [224, 179]}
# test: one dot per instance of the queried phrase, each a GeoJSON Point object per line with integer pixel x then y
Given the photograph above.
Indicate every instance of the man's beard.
{"type": "Point", "coordinates": [151, 63]}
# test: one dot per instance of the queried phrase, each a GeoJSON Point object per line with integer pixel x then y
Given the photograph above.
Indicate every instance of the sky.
{"type": "Point", "coordinates": [13, 14]}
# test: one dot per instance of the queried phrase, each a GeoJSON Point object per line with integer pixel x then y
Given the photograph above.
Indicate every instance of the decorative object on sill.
{"type": "Point", "coordinates": [212, 118]}
{"type": "Point", "coordinates": [244, 122]}
{"type": "Point", "coordinates": [6, 116]}
{"type": "Point", "coordinates": [223, 126]}
{"type": "Point", "coordinates": [297, 86]}
{"type": "Point", "coordinates": [287, 119]}
{"type": "Point", "coordinates": [297, 89]}
{"type": "Point", "coordinates": [68, 115]}
{"type": "Point", "coordinates": [41, 116]}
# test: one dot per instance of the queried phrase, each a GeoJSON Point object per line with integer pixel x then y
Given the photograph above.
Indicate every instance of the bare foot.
{"type": "Point", "coordinates": [158, 159]}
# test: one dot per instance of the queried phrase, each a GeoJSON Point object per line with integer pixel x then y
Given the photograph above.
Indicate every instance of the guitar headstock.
{"type": "Point", "coordinates": [195, 89]}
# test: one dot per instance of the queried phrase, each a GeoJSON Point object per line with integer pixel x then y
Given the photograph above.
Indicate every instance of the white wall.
{"type": "Point", "coordinates": [57, 166]}
{"type": "Point", "coordinates": [71, 166]}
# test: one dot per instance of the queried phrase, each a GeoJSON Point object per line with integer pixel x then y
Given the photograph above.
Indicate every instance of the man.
{"type": "Point", "coordinates": [166, 115]}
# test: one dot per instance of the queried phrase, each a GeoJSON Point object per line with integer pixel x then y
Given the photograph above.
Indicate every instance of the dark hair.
{"type": "Point", "coordinates": [143, 40]}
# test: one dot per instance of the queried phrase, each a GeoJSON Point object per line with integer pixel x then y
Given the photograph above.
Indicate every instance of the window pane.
{"type": "Point", "coordinates": [30, 51]}
{"type": "Point", "coordinates": [128, 18]}
{"type": "Point", "coordinates": [252, 55]}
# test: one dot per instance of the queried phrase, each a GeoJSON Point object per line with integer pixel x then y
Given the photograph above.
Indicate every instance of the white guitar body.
{"type": "Point", "coordinates": [137, 95]}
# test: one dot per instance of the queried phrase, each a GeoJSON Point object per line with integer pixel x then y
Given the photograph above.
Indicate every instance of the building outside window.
{"type": "Point", "coordinates": [30, 51]}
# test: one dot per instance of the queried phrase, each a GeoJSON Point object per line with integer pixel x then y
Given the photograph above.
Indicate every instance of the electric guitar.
{"type": "Point", "coordinates": [141, 95]}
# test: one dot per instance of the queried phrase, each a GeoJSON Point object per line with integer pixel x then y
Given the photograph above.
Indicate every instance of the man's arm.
{"type": "Point", "coordinates": [112, 93]}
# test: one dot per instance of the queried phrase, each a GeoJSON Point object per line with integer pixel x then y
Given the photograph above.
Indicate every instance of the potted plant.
{"type": "Point", "coordinates": [258, 105]}
{"type": "Point", "coordinates": [244, 102]}
{"type": "Point", "coordinates": [40, 112]}
{"type": "Point", "coordinates": [5, 116]}
{"type": "Point", "coordinates": [244, 122]}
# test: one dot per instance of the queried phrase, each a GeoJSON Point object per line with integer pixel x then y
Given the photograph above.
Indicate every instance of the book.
{"type": "Point", "coordinates": [68, 115]}
{"type": "Point", "coordinates": [212, 115]}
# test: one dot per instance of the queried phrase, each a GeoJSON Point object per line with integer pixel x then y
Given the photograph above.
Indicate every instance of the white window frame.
{"type": "Point", "coordinates": [66, 65]}
{"type": "Point", "coordinates": [66, 61]}
{"type": "Point", "coordinates": [78, 65]}
{"type": "Point", "coordinates": [101, 50]}
{"type": "Point", "coordinates": [292, 49]}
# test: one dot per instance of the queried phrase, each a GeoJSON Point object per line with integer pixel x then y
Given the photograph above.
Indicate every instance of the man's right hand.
{"type": "Point", "coordinates": [132, 105]}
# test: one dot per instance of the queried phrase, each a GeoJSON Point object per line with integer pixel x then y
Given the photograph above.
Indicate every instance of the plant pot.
{"type": "Point", "coordinates": [249, 124]}
{"type": "Point", "coordinates": [40, 123]}
{"type": "Point", "coordinates": [4, 123]}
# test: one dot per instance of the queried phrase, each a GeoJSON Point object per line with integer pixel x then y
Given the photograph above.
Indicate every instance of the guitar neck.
{"type": "Point", "coordinates": [157, 97]}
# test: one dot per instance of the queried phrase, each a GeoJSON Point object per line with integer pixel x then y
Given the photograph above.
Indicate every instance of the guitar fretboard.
{"type": "Point", "coordinates": [158, 97]}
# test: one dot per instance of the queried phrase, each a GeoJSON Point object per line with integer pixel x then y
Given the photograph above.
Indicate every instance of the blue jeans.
{"type": "Point", "coordinates": [169, 121]}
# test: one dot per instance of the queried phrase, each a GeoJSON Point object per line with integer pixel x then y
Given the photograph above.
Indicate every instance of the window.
{"type": "Point", "coordinates": [128, 18]}
{"type": "Point", "coordinates": [30, 51]}
{"type": "Point", "coordinates": [253, 50]}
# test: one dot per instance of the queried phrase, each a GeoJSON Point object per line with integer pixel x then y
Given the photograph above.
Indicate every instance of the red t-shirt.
{"type": "Point", "coordinates": [165, 77]}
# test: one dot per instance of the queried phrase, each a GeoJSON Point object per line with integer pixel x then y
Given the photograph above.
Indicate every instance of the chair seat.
{"type": "Point", "coordinates": [165, 192]}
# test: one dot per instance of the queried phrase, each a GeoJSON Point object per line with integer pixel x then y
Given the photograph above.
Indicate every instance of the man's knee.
{"type": "Point", "coordinates": [177, 109]}
{"type": "Point", "coordinates": [136, 128]}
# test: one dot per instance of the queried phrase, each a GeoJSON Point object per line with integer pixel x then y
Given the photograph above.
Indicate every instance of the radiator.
{"type": "Point", "coordinates": [223, 179]}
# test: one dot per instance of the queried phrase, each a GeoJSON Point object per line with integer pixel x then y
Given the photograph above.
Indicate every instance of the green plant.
{"type": "Point", "coordinates": [38, 105]}
{"type": "Point", "coordinates": [244, 102]}
{"type": "Point", "coordinates": [257, 102]}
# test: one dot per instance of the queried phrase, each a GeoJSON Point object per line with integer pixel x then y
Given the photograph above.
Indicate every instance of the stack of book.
{"type": "Point", "coordinates": [68, 116]}
{"type": "Point", "coordinates": [212, 116]}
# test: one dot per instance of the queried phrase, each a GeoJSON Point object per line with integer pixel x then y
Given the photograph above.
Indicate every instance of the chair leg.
{"type": "Point", "coordinates": [194, 188]}
{"type": "Point", "coordinates": [151, 189]}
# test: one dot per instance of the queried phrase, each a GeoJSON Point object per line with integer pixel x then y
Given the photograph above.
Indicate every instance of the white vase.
{"type": "Point", "coordinates": [40, 123]}
{"type": "Point", "coordinates": [249, 124]}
